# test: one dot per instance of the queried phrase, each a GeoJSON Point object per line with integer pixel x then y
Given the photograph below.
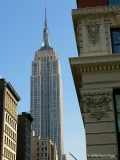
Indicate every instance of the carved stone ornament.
{"type": "Point", "coordinates": [97, 106]}
{"type": "Point", "coordinates": [93, 31]}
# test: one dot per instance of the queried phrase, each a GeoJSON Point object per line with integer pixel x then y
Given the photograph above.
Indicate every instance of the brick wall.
{"type": "Point", "coordinates": [91, 3]}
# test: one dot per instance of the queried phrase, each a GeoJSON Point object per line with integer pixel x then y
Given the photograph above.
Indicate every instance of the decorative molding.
{"type": "Point", "coordinates": [98, 105]}
{"type": "Point", "coordinates": [108, 93]}
{"type": "Point", "coordinates": [94, 68]}
{"type": "Point", "coordinates": [93, 31]}
{"type": "Point", "coordinates": [97, 10]}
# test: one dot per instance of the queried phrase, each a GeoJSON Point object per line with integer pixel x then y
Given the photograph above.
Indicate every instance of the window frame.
{"type": "Point", "coordinates": [116, 92]}
{"type": "Point", "coordinates": [112, 4]}
{"type": "Point", "coordinates": [112, 43]}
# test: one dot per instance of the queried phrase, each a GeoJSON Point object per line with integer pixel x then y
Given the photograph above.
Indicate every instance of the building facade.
{"type": "Point", "coordinates": [46, 104]}
{"type": "Point", "coordinates": [64, 157]}
{"type": "Point", "coordinates": [96, 74]}
{"type": "Point", "coordinates": [42, 149]}
{"type": "Point", "coordinates": [8, 120]}
{"type": "Point", "coordinates": [24, 136]}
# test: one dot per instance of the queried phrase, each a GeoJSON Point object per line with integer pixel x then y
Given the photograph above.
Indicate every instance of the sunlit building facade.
{"type": "Point", "coordinates": [42, 149]}
{"type": "Point", "coordinates": [46, 104]}
{"type": "Point", "coordinates": [8, 120]}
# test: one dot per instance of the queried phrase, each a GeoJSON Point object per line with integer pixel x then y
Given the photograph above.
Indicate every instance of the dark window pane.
{"type": "Point", "coordinates": [116, 49]}
{"type": "Point", "coordinates": [114, 2]}
{"type": "Point", "coordinates": [118, 117]}
{"type": "Point", "coordinates": [116, 37]}
{"type": "Point", "coordinates": [37, 154]}
{"type": "Point", "coordinates": [117, 106]}
{"type": "Point", "coordinates": [37, 143]}
{"type": "Point", "coordinates": [117, 98]}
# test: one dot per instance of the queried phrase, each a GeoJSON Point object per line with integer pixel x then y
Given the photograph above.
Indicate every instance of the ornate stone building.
{"type": "Point", "coordinates": [96, 74]}
{"type": "Point", "coordinates": [8, 120]}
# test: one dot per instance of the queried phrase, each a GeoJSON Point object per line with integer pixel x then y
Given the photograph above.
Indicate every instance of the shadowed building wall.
{"type": "Point", "coordinates": [24, 136]}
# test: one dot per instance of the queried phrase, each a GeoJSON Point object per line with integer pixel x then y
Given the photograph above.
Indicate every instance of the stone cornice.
{"type": "Point", "coordinates": [109, 58]}
{"type": "Point", "coordinates": [99, 67]}
{"type": "Point", "coordinates": [95, 64]}
{"type": "Point", "coordinates": [10, 87]}
{"type": "Point", "coordinates": [96, 10]}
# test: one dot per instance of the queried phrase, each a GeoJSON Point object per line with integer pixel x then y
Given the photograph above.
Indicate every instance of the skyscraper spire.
{"type": "Point", "coordinates": [46, 42]}
{"type": "Point", "coordinates": [45, 18]}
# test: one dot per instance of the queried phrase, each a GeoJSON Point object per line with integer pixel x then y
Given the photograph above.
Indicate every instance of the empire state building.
{"type": "Point", "coordinates": [46, 104]}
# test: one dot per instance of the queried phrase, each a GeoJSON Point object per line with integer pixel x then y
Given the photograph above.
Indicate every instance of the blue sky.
{"type": "Point", "coordinates": [21, 34]}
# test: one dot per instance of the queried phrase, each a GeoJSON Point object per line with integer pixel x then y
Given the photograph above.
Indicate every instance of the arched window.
{"type": "Point", "coordinates": [5, 139]}
{"type": "Point", "coordinates": [6, 116]}
{"type": "Point", "coordinates": [11, 133]}
{"type": "Point", "coordinates": [12, 123]}
{"type": "Point", "coordinates": [9, 142]}
{"type": "Point", "coordinates": [5, 128]}
{"type": "Point", "coordinates": [15, 126]}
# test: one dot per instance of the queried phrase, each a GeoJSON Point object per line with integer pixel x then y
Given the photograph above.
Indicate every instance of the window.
{"type": "Point", "coordinates": [116, 96]}
{"type": "Point", "coordinates": [37, 143]}
{"type": "Point", "coordinates": [45, 143]}
{"type": "Point", "coordinates": [115, 34]}
{"type": "Point", "coordinates": [114, 2]}
{"type": "Point", "coordinates": [5, 139]}
{"type": "Point", "coordinates": [15, 126]}
{"type": "Point", "coordinates": [37, 154]}
{"type": "Point", "coordinates": [37, 148]}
